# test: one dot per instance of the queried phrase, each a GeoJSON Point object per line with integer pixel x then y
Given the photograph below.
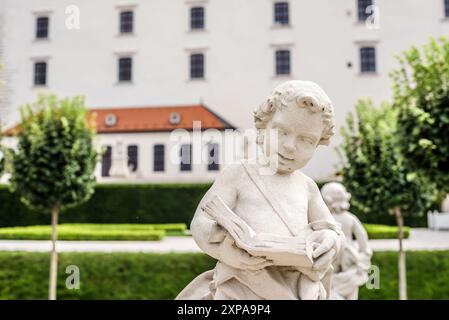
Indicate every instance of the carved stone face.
{"type": "Point", "coordinates": [336, 197]}
{"type": "Point", "coordinates": [298, 132]}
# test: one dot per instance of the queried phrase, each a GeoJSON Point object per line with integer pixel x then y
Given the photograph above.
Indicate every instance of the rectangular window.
{"type": "Point", "coordinates": [186, 157]}
{"type": "Point", "coordinates": [213, 159]}
{"type": "Point", "coordinates": [125, 69]}
{"type": "Point", "coordinates": [281, 13]}
{"type": "Point", "coordinates": [197, 66]}
{"type": "Point", "coordinates": [367, 59]}
{"type": "Point", "coordinates": [106, 161]}
{"type": "Point", "coordinates": [446, 8]}
{"type": "Point", "coordinates": [42, 27]}
{"type": "Point", "coordinates": [159, 157]}
{"type": "Point", "coordinates": [282, 62]}
{"type": "Point", "coordinates": [40, 73]}
{"type": "Point", "coordinates": [197, 18]}
{"type": "Point", "coordinates": [133, 156]}
{"type": "Point", "coordinates": [126, 21]}
{"type": "Point", "coordinates": [362, 5]}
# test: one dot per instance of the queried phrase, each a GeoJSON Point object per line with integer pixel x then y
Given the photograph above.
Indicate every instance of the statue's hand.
{"type": "Point", "coordinates": [238, 258]}
{"type": "Point", "coordinates": [325, 245]}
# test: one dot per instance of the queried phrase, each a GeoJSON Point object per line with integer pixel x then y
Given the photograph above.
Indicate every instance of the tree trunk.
{"type": "Point", "coordinates": [54, 254]}
{"type": "Point", "coordinates": [402, 267]}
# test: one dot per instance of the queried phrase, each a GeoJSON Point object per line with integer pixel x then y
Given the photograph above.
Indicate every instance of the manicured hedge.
{"type": "Point", "coordinates": [86, 231]}
{"type": "Point", "coordinates": [114, 203]}
{"type": "Point", "coordinates": [136, 203]}
{"type": "Point", "coordinates": [163, 276]}
{"type": "Point", "coordinates": [95, 232]}
{"type": "Point", "coordinates": [378, 231]}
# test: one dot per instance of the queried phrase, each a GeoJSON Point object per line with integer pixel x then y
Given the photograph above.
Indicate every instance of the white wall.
{"type": "Point", "coordinates": [239, 43]}
{"type": "Point", "coordinates": [230, 149]}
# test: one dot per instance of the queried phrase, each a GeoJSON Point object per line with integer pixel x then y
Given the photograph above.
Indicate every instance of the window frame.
{"type": "Point", "coordinates": [123, 24]}
{"type": "Point", "coordinates": [196, 68]}
{"type": "Point", "coordinates": [446, 8]}
{"type": "Point", "coordinates": [279, 13]}
{"type": "Point", "coordinates": [280, 65]}
{"type": "Point", "coordinates": [362, 16]}
{"type": "Point", "coordinates": [213, 165]}
{"type": "Point", "coordinates": [106, 156]}
{"type": "Point", "coordinates": [185, 167]}
{"type": "Point", "coordinates": [121, 72]}
{"type": "Point", "coordinates": [37, 72]}
{"type": "Point", "coordinates": [38, 35]}
{"type": "Point", "coordinates": [197, 22]}
{"type": "Point", "coordinates": [133, 157]}
{"type": "Point", "coordinates": [159, 163]}
{"type": "Point", "coordinates": [368, 63]}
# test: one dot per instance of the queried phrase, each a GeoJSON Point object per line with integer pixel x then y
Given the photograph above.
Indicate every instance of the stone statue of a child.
{"type": "Point", "coordinates": [302, 116]}
{"type": "Point", "coordinates": [352, 264]}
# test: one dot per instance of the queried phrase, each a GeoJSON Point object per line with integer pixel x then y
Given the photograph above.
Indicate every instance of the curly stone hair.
{"type": "Point", "coordinates": [305, 94]}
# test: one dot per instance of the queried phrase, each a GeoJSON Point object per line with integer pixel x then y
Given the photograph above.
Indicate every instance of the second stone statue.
{"type": "Point", "coordinates": [352, 264]}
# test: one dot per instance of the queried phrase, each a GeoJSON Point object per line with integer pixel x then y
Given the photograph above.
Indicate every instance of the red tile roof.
{"type": "Point", "coordinates": [144, 119]}
{"type": "Point", "coordinates": [148, 119]}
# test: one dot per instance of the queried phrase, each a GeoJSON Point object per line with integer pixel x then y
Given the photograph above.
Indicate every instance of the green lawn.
{"type": "Point", "coordinates": [81, 231]}
{"type": "Point", "coordinates": [24, 275]}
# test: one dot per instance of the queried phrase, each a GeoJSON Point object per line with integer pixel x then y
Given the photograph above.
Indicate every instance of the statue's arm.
{"type": "Point", "coordinates": [327, 232]}
{"type": "Point", "coordinates": [206, 232]}
{"type": "Point", "coordinates": [360, 234]}
{"type": "Point", "coordinates": [318, 211]}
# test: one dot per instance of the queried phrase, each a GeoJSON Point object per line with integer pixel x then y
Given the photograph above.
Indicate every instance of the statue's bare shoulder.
{"type": "Point", "coordinates": [310, 184]}
{"type": "Point", "coordinates": [231, 174]}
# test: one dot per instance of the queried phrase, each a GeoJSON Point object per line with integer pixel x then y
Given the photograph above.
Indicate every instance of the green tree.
{"type": "Point", "coordinates": [53, 165]}
{"type": "Point", "coordinates": [375, 174]}
{"type": "Point", "coordinates": [2, 154]}
{"type": "Point", "coordinates": [421, 94]}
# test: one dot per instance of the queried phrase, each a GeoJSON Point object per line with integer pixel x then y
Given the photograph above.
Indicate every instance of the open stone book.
{"type": "Point", "coordinates": [283, 250]}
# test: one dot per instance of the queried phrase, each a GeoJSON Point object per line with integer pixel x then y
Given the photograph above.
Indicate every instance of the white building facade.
{"type": "Point", "coordinates": [227, 54]}
{"type": "Point", "coordinates": [176, 144]}
{"type": "Point", "coordinates": [185, 144]}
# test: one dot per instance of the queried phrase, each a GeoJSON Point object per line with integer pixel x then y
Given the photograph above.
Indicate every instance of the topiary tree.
{"type": "Point", "coordinates": [53, 165]}
{"type": "Point", "coordinates": [421, 94]}
{"type": "Point", "coordinates": [2, 154]}
{"type": "Point", "coordinates": [375, 174]}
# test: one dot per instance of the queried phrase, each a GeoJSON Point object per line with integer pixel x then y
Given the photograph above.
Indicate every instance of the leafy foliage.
{"type": "Point", "coordinates": [2, 155]}
{"type": "Point", "coordinates": [55, 158]}
{"type": "Point", "coordinates": [421, 94]}
{"type": "Point", "coordinates": [374, 171]}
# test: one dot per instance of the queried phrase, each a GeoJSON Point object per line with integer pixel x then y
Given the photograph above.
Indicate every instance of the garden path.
{"type": "Point", "coordinates": [420, 239]}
